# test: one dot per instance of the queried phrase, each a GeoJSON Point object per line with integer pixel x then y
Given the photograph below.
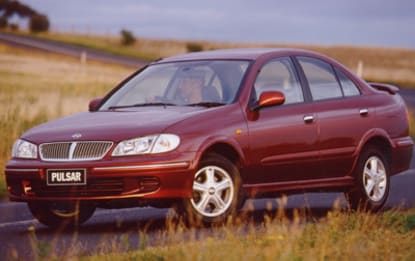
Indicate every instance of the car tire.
{"type": "Point", "coordinates": [216, 192]}
{"type": "Point", "coordinates": [61, 214]}
{"type": "Point", "coordinates": [372, 181]}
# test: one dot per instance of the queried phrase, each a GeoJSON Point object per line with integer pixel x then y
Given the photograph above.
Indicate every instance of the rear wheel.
{"type": "Point", "coordinates": [216, 191]}
{"type": "Point", "coordinates": [61, 214]}
{"type": "Point", "coordinates": [372, 181]}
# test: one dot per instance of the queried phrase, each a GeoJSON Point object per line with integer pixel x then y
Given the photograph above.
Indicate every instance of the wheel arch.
{"type": "Point", "coordinates": [226, 151]}
{"type": "Point", "coordinates": [224, 147]}
{"type": "Point", "coordinates": [381, 143]}
{"type": "Point", "coordinates": [377, 138]}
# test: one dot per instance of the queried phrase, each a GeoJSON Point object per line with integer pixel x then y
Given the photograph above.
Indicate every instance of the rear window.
{"type": "Point", "coordinates": [348, 86]}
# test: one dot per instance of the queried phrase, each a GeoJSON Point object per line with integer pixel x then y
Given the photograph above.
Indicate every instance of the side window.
{"type": "Point", "coordinates": [279, 75]}
{"type": "Point", "coordinates": [348, 86]}
{"type": "Point", "coordinates": [321, 79]}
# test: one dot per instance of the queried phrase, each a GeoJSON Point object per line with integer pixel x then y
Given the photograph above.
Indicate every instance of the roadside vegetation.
{"type": "Point", "coordinates": [338, 235]}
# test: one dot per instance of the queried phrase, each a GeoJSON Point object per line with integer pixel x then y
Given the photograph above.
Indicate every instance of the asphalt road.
{"type": "Point", "coordinates": [68, 49]}
{"type": "Point", "coordinates": [119, 230]}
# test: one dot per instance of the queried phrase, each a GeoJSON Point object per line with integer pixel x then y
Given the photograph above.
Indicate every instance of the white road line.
{"type": "Point", "coordinates": [19, 223]}
{"type": "Point", "coordinates": [99, 212]}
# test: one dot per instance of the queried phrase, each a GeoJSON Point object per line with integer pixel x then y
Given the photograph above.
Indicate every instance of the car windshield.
{"type": "Point", "coordinates": [196, 83]}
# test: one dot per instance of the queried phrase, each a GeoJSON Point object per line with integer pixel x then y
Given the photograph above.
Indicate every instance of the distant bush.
{"type": "Point", "coordinates": [194, 47]}
{"type": "Point", "coordinates": [3, 22]}
{"type": "Point", "coordinates": [39, 23]}
{"type": "Point", "coordinates": [14, 27]}
{"type": "Point", "coordinates": [127, 37]}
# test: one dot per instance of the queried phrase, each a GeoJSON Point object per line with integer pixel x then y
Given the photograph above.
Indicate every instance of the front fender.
{"type": "Point", "coordinates": [210, 142]}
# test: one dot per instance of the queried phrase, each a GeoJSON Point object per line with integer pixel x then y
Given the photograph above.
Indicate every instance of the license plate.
{"type": "Point", "coordinates": [64, 177]}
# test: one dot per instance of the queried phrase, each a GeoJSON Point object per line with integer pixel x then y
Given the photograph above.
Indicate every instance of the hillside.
{"type": "Point", "coordinates": [390, 65]}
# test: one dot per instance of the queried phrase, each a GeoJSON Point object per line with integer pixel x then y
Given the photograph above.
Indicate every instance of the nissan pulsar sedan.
{"type": "Point", "coordinates": [203, 131]}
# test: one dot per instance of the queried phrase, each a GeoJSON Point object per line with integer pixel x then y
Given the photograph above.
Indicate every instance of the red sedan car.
{"type": "Point", "coordinates": [203, 131]}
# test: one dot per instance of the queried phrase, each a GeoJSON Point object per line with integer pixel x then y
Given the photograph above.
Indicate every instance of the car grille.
{"type": "Point", "coordinates": [74, 151]}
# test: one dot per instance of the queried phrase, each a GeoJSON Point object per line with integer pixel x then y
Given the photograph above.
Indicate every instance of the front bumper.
{"type": "Point", "coordinates": [123, 178]}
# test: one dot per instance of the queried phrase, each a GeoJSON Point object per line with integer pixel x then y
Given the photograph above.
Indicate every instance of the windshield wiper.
{"type": "Point", "coordinates": [207, 104]}
{"type": "Point", "coordinates": [142, 105]}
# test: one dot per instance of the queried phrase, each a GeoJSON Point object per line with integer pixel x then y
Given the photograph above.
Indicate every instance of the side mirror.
{"type": "Point", "coordinates": [270, 98]}
{"type": "Point", "coordinates": [94, 104]}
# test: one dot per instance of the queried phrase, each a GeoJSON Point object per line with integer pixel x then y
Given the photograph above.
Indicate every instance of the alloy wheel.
{"type": "Point", "coordinates": [374, 178]}
{"type": "Point", "coordinates": [213, 191]}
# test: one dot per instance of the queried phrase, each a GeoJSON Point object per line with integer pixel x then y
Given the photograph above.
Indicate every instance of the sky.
{"type": "Point", "coordinates": [384, 23]}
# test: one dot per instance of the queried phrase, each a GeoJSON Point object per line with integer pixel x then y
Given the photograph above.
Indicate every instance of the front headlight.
{"type": "Point", "coordinates": [24, 149]}
{"type": "Point", "coordinates": [147, 145]}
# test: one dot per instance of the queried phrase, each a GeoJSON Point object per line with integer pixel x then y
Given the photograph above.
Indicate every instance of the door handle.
{"type": "Point", "coordinates": [308, 118]}
{"type": "Point", "coordinates": [364, 112]}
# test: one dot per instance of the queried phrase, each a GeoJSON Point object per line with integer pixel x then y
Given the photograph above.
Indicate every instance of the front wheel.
{"type": "Point", "coordinates": [372, 181]}
{"type": "Point", "coordinates": [216, 191]}
{"type": "Point", "coordinates": [61, 214]}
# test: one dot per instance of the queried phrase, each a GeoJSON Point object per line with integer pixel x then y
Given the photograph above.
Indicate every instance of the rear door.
{"type": "Point", "coordinates": [283, 139]}
{"type": "Point", "coordinates": [342, 112]}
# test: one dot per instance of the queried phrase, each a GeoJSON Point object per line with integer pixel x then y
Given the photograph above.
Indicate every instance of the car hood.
{"type": "Point", "coordinates": [110, 125]}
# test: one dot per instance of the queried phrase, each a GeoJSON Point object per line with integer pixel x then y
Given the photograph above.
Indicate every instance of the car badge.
{"type": "Point", "coordinates": [76, 135]}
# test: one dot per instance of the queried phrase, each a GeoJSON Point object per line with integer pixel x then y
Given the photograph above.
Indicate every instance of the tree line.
{"type": "Point", "coordinates": [37, 22]}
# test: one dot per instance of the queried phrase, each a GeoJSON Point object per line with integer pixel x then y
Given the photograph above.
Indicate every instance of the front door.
{"type": "Point", "coordinates": [283, 139]}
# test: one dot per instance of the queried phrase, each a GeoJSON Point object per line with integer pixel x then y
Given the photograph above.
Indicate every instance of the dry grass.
{"type": "Point", "coordinates": [339, 235]}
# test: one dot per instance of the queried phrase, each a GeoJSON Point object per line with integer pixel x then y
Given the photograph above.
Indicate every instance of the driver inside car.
{"type": "Point", "coordinates": [189, 89]}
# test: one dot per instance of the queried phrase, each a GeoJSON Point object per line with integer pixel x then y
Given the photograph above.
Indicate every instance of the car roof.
{"type": "Point", "coordinates": [241, 54]}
